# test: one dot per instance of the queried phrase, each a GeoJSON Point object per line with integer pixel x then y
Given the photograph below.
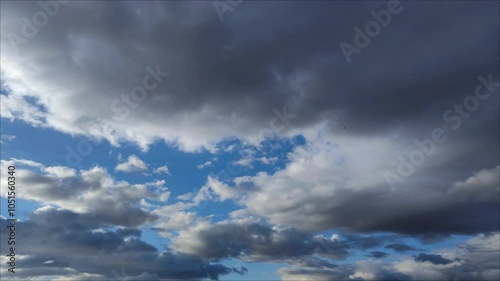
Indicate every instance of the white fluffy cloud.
{"type": "Point", "coordinates": [133, 164]}
{"type": "Point", "coordinates": [93, 192]}
{"type": "Point", "coordinates": [162, 170]}
{"type": "Point", "coordinates": [336, 181]}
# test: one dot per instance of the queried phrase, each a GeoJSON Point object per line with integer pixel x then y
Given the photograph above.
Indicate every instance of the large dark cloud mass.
{"type": "Point", "coordinates": [56, 243]}
{"type": "Point", "coordinates": [258, 242]}
{"type": "Point", "coordinates": [230, 74]}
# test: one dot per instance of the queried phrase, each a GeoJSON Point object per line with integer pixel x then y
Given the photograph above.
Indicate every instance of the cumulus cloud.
{"type": "Point", "coordinates": [162, 170]}
{"type": "Point", "coordinates": [251, 240]}
{"type": "Point", "coordinates": [92, 193]}
{"type": "Point", "coordinates": [268, 160]}
{"type": "Point", "coordinates": [204, 165]}
{"type": "Point", "coordinates": [476, 259]}
{"type": "Point", "coordinates": [133, 164]}
{"type": "Point", "coordinates": [435, 259]}
{"type": "Point", "coordinates": [68, 239]}
{"type": "Point", "coordinates": [317, 190]}
{"type": "Point", "coordinates": [483, 186]}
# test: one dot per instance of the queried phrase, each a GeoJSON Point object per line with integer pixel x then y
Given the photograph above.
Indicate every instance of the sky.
{"type": "Point", "coordinates": [250, 140]}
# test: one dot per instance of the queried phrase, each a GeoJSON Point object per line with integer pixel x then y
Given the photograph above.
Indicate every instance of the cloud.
{"type": "Point", "coordinates": [476, 259]}
{"type": "Point", "coordinates": [162, 170]}
{"type": "Point", "coordinates": [316, 192]}
{"type": "Point", "coordinates": [133, 164]}
{"type": "Point", "coordinates": [204, 165]}
{"type": "Point", "coordinates": [68, 240]}
{"type": "Point", "coordinates": [60, 172]}
{"type": "Point", "coordinates": [435, 259]}
{"type": "Point", "coordinates": [400, 247]}
{"type": "Point", "coordinates": [377, 254]}
{"type": "Point", "coordinates": [175, 221]}
{"type": "Point", "coordinates": [483, 186]}
{"type": "Point", "coordinates": [232, 74]}
{"type": "Point", "coordinates": [250, 240]}
{"type": "Point", "coordinates": [93, 193]}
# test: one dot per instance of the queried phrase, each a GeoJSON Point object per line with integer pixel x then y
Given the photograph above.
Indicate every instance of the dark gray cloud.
{"type": "Point", "coordinates": [92, 193]}
{"type": "Point", "coordinates": [377, 254]}
{"type": "Point", "coordinates": [57, 242]}
{"type": "Point", "coordinates": [400, 247]}
{"type": "Point", "coordinates": [253, 241]}
{"type": "Point", "coordinates": [476, 259]}
{"type": "Point", "coordinates": [435, 259]}
{"type": "Point", "coordinates": [437, 206]}
{"type": "Point", "coordinates": [264, 56]}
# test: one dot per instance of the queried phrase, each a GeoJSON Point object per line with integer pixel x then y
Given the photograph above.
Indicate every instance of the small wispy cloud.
{"type": "Point", "coordinates": [230, 148]}
{"type": "Point", "coordinates": [162, 170]}
{"type": "Point", "coordinates": [4, 138]}
{"type": "Point", "coordinates": [204, 165]}
{"type": "Point", "coordinates": [268, 160]}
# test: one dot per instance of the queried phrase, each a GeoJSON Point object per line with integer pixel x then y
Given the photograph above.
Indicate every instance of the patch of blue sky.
{"type": "Point", "coordinates": [24, 208]}
{"type": "Point", "coordinates": [52, 148]}
{"type": "Point", "coordinates": [152, 237]}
